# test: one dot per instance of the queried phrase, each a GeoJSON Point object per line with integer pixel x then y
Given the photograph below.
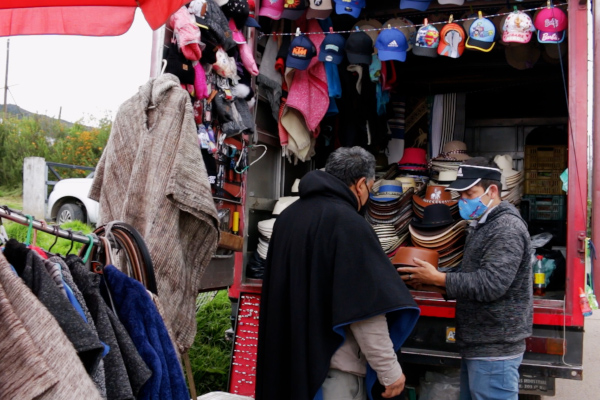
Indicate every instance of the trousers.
{"type": "Point", "coordinates": [490, 380]}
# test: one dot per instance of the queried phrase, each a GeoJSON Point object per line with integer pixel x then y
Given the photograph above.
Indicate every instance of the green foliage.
{"type": "Point", "coordinates": [210, 354]}
{"type": "Point", "coordinates": [45, 240]}
{"type": "Point", "coordinates": [32, 137]}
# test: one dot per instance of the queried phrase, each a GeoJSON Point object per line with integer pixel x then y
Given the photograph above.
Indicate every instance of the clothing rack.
{"type": "Point", "coordinates": [20, 218]}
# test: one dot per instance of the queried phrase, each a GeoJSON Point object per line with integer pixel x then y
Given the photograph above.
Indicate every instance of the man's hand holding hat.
{"type": "Point", "coordinates": [424, 274]}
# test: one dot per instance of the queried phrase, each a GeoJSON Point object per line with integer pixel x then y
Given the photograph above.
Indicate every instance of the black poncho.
{"type": "Point", "coordinates": [325, 269]}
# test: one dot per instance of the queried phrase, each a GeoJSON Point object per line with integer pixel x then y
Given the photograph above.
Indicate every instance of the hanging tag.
{"type": "Point", "coordinates": [203, 138]}
{"type": "Point", "coordinates": [228, 94]}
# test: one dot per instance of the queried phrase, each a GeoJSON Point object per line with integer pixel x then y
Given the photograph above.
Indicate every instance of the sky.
{"type": "Point", "coordinates": [88, 76]}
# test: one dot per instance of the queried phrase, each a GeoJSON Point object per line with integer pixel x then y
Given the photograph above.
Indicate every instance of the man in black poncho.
{"type": "Point", "coordinates": [334, 311]}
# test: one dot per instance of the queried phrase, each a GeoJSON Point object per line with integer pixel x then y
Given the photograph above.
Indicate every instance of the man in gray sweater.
{"type": "Point", "coordinates": [493, 288]}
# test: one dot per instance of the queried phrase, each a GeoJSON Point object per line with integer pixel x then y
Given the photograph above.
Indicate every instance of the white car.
{"type": "Point", "coordinates": [69, 201]}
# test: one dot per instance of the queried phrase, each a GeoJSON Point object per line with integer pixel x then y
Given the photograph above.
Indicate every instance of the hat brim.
{"type": "Point", "coordinates": [292, 14]}
{"type": "Point", "coordinates": [253, 23]}
{"type": "Point", "coordinates": [542, 38]}
{"type": "Point", "coordinates": [318, 14]}
{"type": "Point", "coordinates": [355, 58]}
{"type": "Point", "coordinates": [415, 4]}
{"type": "Point", "coordinates": [450, 232]}
{"type": "Point", "coordinates": [423, 203]}
{"type": "Point", "coordinates": [389, 55]}
{"type": "Point", "coordinates": [292, 62]}
{"type": "Point", "coordinates": [270, 13]}
{"type": "Point", "coordinates": [419, 224]}
{"type": "Point", "coordinates": [475, 44]}
{"type": "Point", "coordinates": [425, 51]}
{"type": "Point", "coordinates": [442, 47]}
{"type": "Point", "coordinates": [463, 184]}
{"type": "Point", "coordinates": [341, 9]}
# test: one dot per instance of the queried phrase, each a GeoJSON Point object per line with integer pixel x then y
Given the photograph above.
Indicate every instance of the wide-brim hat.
{"type": "Point", "coordinates": [406, 256]}
{"type": "Point", "coordinates": [441, 247]}
{"type": "Point", "coordinates": [283, 203]}
{"type": "Point", "coordinates": [454, 150]}
{"type": "Point", "coordinates": [424, 235]}
{"type": "Point", "coordinates": [265, 227]}
{"type": "Point", "coordinates": [386, 190]}
{"type": "Point", "coordinates": [434, 195]}
{"type": "Point", "coordinates": [436, 216]}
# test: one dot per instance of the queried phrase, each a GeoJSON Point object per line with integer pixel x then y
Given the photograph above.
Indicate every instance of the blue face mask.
{"type": "Point", "coordinates": [473, 209]}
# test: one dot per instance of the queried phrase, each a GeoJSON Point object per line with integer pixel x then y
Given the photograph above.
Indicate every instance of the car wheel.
{"type": "Point", "coordinates": [69, 212]}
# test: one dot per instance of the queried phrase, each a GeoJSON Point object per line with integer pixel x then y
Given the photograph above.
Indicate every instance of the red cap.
{"type": "Point", "coordinates": [581, 292]}
{"type": "Point", "coordinates": [540, 257]}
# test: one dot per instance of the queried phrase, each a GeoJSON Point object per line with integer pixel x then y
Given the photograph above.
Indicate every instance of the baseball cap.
{"type": "Point", "coordinates": [332, 48]}
{"type": "Point", "coordinates": [301, 52]}
{"type": "Point", "coordinates": [517, 28]}
{"type": "Point", "coordinates": [370, 27]}
{"type": "Point", "coordinates": [420, 5]}
{"type": "Point", "coordinates": [271, 9]}
{"type": "Point", "coordinates": [350, 7]}
{"type": "Point", "coordinates": [319, 9]}
{"type": "Point", "coordinates": [427, 41]}
{"type": "Point", "coordinates": [294, 9]}
{"type": "Point", "coordinates": [452, 41]}
{"type": "Point", "coordinates": [251, 21]}
{"type": "Point", "coordinates": [470, 175]}
{"type": "Point", "coordinates": [482, 33]}
{"type": "Point", "coordinates": [551, 23]}
{"type": "Point", "coordinates": [359, 48]}
{"type": "Point", "coordinates": [391, 45]}
{"type": "Point", "coordinates": [405, 26]}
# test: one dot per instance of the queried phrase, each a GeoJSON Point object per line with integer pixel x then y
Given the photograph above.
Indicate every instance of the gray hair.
{"type": "Point", "coordinates": [350, 164]}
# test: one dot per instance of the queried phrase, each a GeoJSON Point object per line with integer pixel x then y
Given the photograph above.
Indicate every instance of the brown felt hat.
{"type": "Point", "coordinates": [405, 255]}
{"type": "Point", "coordinates": [434, 195]}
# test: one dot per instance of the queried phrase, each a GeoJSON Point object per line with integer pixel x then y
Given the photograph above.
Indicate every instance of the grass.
{"type": "Point", "coordinates": [11, 197]}
{"type": "Point", "coordinates": [45, 240]}
{"type": "Point", "coordinates": [210, 354]}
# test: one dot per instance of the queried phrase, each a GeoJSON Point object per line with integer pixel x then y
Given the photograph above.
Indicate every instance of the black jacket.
{"type": "Point", "coordinates": [325, 269]}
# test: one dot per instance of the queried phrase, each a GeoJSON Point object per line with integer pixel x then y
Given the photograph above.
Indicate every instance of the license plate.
{"type": "Point", "coordinates": [529, 384]}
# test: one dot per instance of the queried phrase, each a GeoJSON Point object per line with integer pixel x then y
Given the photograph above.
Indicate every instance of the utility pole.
{"type": "Point", "coordinates": [6, 76]}
{"type": "Point", "coordinates": [59, 113]}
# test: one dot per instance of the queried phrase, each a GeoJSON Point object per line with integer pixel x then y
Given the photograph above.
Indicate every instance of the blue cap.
{"type": "Point", "coordinates": [420, 5]}
{"type": "Point", "coordinates": [332, 48]}
{"type": "Point", "coordinates": [350, 7]}
{"type": "Point", "coordinates": [482, 33]}
{"type": "Point", "coordinates": [252, 23]}
{"type": "Point", "coordinates": [391, 45]}
{"type": "Point", "coordinates": [301, 52]}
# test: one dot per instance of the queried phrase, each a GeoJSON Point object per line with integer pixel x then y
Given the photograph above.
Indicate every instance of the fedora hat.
{"type": "Point", "coordinates": [435, 194]}
{"type": "Point", "coordinates": [413, 159]}
{"type": "Point", "coordinates": [446, 177]}
{"type": "Point", "coordinates": [442, 248]}
{"type": "Point", "coordinates": [435, 217]}
{"type": "Point", "coordinates": [407, 182]}
{"type": "Point", "coordinates": [405, 256]}
{"type": "Point", "coordinates": [454, 150]}
{"type": "Point", "coordinates": [505, 163]}
{"type": "Point", "coordinates": [386, 191]}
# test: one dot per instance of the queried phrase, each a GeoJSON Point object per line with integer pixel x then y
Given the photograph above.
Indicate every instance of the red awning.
{"type": "Point", "coordinates": [80, 17]}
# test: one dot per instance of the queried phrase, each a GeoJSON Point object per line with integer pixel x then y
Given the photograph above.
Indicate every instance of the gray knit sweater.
{"type": "Point", "coordinates": [494, 307]}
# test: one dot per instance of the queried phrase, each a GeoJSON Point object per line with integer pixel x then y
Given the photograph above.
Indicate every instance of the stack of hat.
{"type": "Point", "coordinates": [434, 195]}
{"type": "Point", "coordinates": [438, 231]}
{"type": "Point", "coordinates": [389, 213]}
{"type": "Point", "coordinates": [512, 190]}
{"type": "Point", "coordinates": [265, 228]}
{"type": "Point", "coordinates": [444, 167]}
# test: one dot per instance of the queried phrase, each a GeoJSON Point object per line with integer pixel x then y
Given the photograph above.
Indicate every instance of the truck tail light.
{"type": "Point", "coordinates": [543, 345]}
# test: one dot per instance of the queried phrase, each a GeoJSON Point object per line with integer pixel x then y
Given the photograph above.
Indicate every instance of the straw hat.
{"type": "Point", "coordinates": [454, 150]}
{"type": "Point", "coordinates": [283, 203]}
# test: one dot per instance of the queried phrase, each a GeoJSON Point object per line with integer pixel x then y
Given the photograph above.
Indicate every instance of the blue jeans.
{"type": "Point", "coordinates": [490, 380]}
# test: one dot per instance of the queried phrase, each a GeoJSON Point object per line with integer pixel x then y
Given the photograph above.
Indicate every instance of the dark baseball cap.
{"type": "Point", "coordinates": [332, 48]}
{"type": "Point", "coordinates": [301, 52]}
{"type": "Point", "coordinates": [294, 10]}
{"type": "Point", "coordinates": [359, 48]}
{"type": "Point", "coordinates": [470, 175]}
